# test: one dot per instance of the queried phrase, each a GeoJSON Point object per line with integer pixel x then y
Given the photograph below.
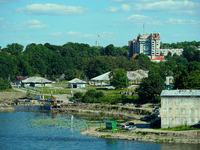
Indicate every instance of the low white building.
{"type": "Point", "coordinates": [177, 51]}
{"type": "Point", "coordinates": [76, 83]}
{"type": "Point", "coordinates": [180, 107]}
{"type": "Point", "coordinates": [36, 82]}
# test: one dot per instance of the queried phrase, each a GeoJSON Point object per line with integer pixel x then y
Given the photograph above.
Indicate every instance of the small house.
{"type": "Point", "coordinates": [76, 83]}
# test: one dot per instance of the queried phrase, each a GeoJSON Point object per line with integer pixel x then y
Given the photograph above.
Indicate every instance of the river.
{"type": "Point", "coordinates": [21, 130]}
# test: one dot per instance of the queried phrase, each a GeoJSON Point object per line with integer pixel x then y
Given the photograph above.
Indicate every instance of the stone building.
{"type": "Point", "coordinates": [180, 107]}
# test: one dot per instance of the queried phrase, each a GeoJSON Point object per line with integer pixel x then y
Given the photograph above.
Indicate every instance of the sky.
{"type": "Point", "coordinates": [97, 22]}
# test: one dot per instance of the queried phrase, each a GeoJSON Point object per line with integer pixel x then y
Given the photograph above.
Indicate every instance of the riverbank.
{"type": "Point", "coordinates": [147, 135]}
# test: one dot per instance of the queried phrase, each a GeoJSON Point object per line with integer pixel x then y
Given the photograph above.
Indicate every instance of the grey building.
{"type": "Point", "coordinates": [180, 107]}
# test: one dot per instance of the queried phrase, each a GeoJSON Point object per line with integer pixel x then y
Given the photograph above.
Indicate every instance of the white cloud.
{"type": "Point", "coordinates": [32, 22]}
{"type": "Point", "coordinates": [26, 25]}
{"type": "Point", "coordinates": [56, 34]}
{"type": "Point", "coordinates": [78, 34]}
{"type": "Point", "coordinates": [128, 1]}
{"type": "Point", "coordinates": [87, 35]}
{"type": "Point", "coordinates": [124, 7]}
{"type": "Point", "coordinates": [73, 33]}
{"type": "Point", "coordinates": [178, 7]}
{"type": "Point", "coordinates": [182, 22]}
{"type": "Point", "coordinates": [51, 9]}
{"type": "Point", "coordinates": [137, 18]}
{"type": "Point", "coordinates": [2, 19]}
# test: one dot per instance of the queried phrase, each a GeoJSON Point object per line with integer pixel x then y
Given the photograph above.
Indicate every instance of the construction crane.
{"type": "Point", "coordinates": [55, 104]}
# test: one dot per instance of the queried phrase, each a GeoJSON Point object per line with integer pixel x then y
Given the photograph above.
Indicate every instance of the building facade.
{"type": "Point", "coordinates": [177, 51]}
{"type": "Point", "coordinates": [149, 44]}
{"type": "Point", "coordinates": [180, 107]}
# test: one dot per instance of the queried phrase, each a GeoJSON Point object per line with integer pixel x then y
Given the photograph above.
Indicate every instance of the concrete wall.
{"type": "Point", "coordinates": [179, 111]}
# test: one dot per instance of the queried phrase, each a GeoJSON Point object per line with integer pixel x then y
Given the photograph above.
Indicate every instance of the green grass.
{"type": "Point", "coordinates": [46, 90]}
{"type": "Point", "coordinates": [60, 84]}
{"type": "Point", "coordinates": [179, 128]}
{"type": "Point", "coordinates": [9, 90]}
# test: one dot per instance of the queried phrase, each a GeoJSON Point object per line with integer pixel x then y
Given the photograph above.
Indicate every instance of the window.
{"type": "Point", "coordinates": [183, 111]}
{"type": "Point", "coordinates": [196, 120]}
{"type": "Point", "coordinates": [170, 102]}
{"type": "Point", "coordinates": [177, 102]}
{"type": "Point", "coordinates": [196, 112]}
{"type": "Point", "coordinates": [196, 102]}
{"type": "Point", "coordinates": [164, 120]}
{"type": "Point", "coordinates": [164, 111]}
{"type": "Point", "coordinates": [183, 102]}
{"type": "Point", "coordinates": [183, 121]}
{"type": "Point", "coordinates": [190, 120]}
{"type": "Point", "coordinates": [170, 110]}
{"type": "Point", "coordinates": [177, 111]}
{"type": "Point", "coordinates": [190, 111]}
{"type": "Point", "coordinates": [177, 120]}
{"type": "Point", "coordinates": [170, 120]}
{"type": "Point", "coordinates": [164, 102]}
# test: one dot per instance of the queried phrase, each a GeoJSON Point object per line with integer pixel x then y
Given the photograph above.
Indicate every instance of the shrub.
{"type": "Point", "coordinates": [78, 95]}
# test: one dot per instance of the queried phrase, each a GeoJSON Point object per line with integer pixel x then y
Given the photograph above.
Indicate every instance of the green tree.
{"type": "Point", "coordinates": [118, 78]}
{"type": "Point", "coordinates": [14, 48]}
{"type": "Point", "coordinates": [150, 88]}
{"type": "Point", "coordinates": [110, 50]}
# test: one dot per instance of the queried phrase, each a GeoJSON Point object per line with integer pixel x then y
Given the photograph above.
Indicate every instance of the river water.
{"type": "Point", "coordinates": [20, 130]}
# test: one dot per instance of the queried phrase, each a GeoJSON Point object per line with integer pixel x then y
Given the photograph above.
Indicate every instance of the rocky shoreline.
{"type": "Point", "coordinates": [190, 137]}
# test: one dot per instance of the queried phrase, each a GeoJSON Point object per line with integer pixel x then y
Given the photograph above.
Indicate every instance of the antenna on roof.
{"type": "Point", "coordinates": [143, 28]}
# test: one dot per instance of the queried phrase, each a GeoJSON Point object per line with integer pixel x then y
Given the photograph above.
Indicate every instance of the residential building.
{"type": "Point", "coordinates": [180, 107]}
{"type": "Point", "coordinates": [177, 51]}
{"type": "Point", "coordinates": [149, 44]}
{"type": "Point", "coordinates": [76, 83]}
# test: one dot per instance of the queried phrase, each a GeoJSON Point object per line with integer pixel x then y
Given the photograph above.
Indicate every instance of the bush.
{"type": "Point", "coordinates": [78, 95]}
{"type": "Point", "coordinates": [4, 84]}
{"type": "Point", "coordinates": [99, 94]}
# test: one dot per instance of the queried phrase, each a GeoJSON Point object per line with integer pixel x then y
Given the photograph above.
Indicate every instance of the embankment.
{"type": "Point", "coordinates": [110, 110]}
{"type": "Point", "coordinates": [148, 135]}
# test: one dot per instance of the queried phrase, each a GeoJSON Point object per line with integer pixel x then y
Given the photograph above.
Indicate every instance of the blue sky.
{"type": "Point", "coordinates": [115, 21]}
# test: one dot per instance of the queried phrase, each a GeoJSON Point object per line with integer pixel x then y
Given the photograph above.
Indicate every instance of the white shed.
{"type": "Point", "coordinates": [76, 83]}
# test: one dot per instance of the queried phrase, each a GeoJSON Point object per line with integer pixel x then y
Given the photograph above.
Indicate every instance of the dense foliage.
{"type": "Point", "coordinates": [118, 78]}
{"type": "Point", "coordinates": [85, 62]}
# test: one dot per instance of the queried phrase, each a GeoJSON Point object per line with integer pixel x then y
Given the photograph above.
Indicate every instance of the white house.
{"type": "Point", "coordinates": [36, 82]}
{"type": "Point", "coordinates": [76, 83]}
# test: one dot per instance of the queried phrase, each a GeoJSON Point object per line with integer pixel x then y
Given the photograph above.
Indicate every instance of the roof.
{"type": "Point", "coordinates": [180, 93]}
{"type": "Point", "coordinates": [103, 77]}
{"type": "Point", "coordinates": [132, 75]}
{"type": "Point", "coordinates": [36, 80]}
{"type": "Point", "coordinates": [76, 80]}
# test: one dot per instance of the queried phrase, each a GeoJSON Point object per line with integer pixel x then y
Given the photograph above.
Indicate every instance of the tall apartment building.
{"type": "Point", "coordinates": [148, 44]}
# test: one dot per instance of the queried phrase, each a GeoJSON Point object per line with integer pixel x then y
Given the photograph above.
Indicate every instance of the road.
{"type": "Point", "coordinates": [63, 97]}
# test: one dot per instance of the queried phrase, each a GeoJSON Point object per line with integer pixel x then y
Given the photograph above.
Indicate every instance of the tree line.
{"type": "Point", "coordinates": [85, 62]}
